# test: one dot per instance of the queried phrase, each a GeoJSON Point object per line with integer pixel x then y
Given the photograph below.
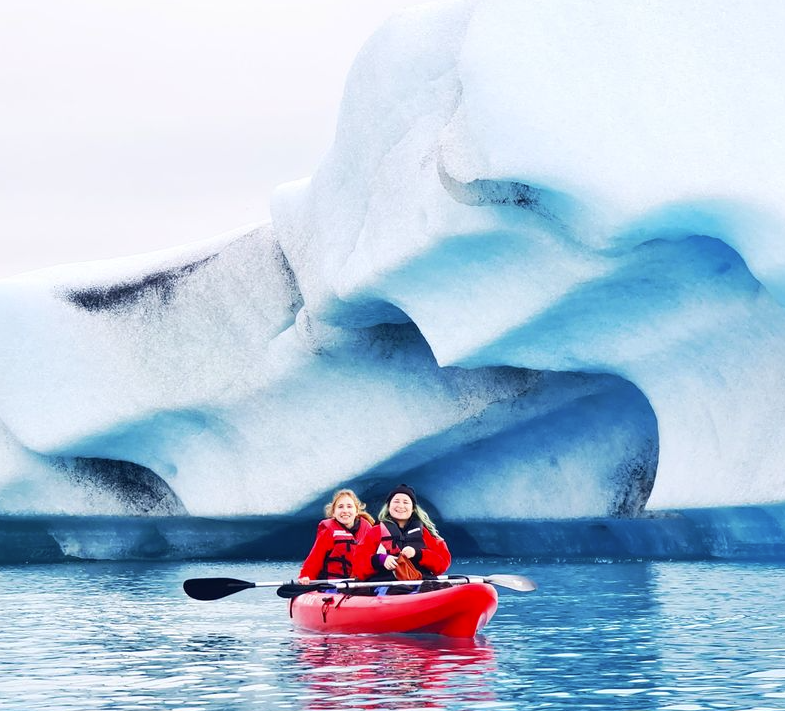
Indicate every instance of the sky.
{"type": "Point", "coordinates": [128, 126]}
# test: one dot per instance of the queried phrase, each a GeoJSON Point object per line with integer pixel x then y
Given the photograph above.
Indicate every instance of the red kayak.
{"type": "Point", "coordinates": [456, 611]}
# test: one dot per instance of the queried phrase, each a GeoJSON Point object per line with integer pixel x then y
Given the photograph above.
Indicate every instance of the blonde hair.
{"type": "Point", "coordinates": [384, 515]}
{"type": "Point", "coordinates": [329, 509]}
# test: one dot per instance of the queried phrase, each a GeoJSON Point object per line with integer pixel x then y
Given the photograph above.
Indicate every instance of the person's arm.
{"type": "Point", "coordinates": [365, 561]}
{"type": "Point", "coordinates": [312, 565]}
{"type": "Point", "coordinates": [435, 557]}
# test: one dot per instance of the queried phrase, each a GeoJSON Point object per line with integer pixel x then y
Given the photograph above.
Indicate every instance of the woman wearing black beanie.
{"type": "Point", "coordinates": [404, 534]}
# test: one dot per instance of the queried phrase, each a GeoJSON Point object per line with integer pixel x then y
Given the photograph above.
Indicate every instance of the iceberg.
{"type": "Point", "coordinates": [539, 276]}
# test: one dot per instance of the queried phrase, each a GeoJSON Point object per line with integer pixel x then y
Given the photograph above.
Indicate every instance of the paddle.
{"type": "Point", "coordinates": [514, 582]}
{"type": "Point", "coordinates": [216, 588]}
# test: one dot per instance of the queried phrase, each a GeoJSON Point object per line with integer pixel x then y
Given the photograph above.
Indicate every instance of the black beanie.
{"type": "Point", "coordinates": [403, 489]}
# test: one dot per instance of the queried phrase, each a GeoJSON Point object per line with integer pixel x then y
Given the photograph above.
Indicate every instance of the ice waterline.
{"type": "Point", "coordinates": [749, 533]}
{"type": "Point", "coordinates": [520, 280]}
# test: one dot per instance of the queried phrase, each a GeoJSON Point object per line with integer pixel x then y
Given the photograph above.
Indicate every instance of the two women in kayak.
{"type": "Point", "coordinates": [404, 544]}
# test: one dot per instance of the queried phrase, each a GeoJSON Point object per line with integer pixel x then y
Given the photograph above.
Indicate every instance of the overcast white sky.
{"type": "Point", "coordinates": [132, 125]}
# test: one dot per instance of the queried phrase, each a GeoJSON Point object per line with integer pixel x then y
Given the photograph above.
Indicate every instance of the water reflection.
{"type": "Point", "coordinates": [214, 646]}
{"type": "Point", "coordinates": [585, 637]}
{"type": "Point", "coordinates": [380, 671]}
{"type": "Point", "coordinates": [632, 637]}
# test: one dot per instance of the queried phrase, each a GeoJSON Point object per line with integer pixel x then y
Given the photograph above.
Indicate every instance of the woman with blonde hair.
{"type": "Point", "coordinates": [337, 536]}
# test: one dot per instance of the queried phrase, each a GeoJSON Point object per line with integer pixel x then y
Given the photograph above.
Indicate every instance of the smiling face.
{"type": "Point", "coordinates": [345, 510]}
{"type": "Point", "coordinates": [401, 508]}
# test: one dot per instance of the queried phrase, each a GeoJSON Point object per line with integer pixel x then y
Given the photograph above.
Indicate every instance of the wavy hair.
{"type": "Point", "coordinates": [329, 509]}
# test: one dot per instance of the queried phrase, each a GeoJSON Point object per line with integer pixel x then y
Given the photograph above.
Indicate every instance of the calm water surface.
{"type": "Point", "coordinates": [678, 636]}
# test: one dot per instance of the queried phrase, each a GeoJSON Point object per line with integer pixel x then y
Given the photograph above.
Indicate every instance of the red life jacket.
{"type": "Point", "coordinates": [338, 560]}
{"type": "Point", "coordinates": [394, 538]}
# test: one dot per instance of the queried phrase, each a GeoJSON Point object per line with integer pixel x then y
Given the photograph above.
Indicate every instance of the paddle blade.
{"type": "Point", "coordinates": [513, 582]}
{"type": "Point", "coordinates": [290, 590]}
{"type": "Point", "coordinates": [214, 588]}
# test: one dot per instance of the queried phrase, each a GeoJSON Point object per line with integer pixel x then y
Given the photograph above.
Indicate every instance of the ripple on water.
{"type": "Point", "coordinates": [641, 636]}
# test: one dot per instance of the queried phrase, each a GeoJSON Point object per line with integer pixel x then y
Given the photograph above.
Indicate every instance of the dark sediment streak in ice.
{"type": "Point", "coordinates": [161, 285]}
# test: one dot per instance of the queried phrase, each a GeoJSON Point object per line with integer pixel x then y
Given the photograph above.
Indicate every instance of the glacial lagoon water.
{"type": "Point", "coordinates": [681, 636]}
